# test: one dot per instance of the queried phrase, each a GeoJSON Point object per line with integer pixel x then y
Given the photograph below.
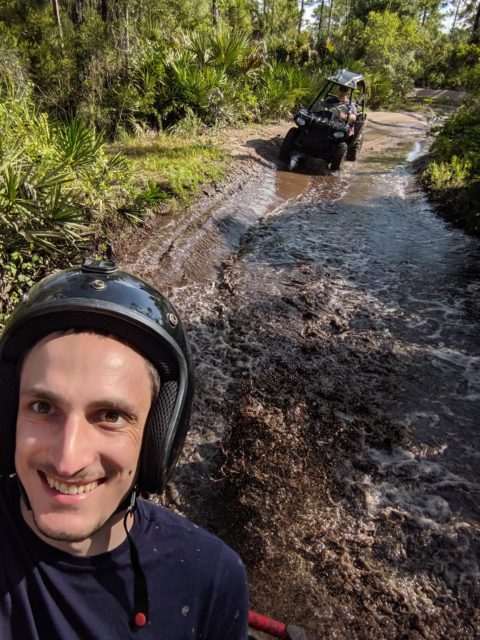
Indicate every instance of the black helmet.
{"type": "Point", "coordinates": [99, 297]}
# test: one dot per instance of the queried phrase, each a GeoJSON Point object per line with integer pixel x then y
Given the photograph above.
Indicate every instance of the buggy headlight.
{"type": "Point", "coordinates": [300, 121]}
{"type": "Point", "coordinates": [338, 134]}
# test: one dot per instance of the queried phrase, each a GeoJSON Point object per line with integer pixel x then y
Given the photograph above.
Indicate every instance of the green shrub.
{"type": "Point", "coordinates": [297, 50]}
{"type": "Point", "coordinates": [280, 88]}
{"type": "Point", "coordinates": [453, 178]}
{"type": "Point", "coordinates": [447, 175]}
{"type": "Point", "coordinates": [58, 190]}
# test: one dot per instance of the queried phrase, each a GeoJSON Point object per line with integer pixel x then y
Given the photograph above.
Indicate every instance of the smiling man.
{"type": "Point", "coordinates": [95, 397]}
{"type": "Point", "coordinates": [83, 403]}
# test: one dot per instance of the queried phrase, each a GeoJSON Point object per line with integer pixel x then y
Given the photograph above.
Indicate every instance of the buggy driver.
{"type": "Point", "coordinates": [344, 106]}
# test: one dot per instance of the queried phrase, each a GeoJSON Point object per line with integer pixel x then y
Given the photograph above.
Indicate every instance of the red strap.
{"type": "Point", "coordinates": [262, 623]}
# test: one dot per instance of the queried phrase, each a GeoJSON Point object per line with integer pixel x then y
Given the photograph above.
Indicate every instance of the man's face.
{"type": "Point", "coordinates": [84, 400]}
{"type": "Point", "coordinates": [342, 94]}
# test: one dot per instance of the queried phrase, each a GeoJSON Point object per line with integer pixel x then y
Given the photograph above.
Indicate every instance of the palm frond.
{"type": "Point", "coordinates": [77, 144]}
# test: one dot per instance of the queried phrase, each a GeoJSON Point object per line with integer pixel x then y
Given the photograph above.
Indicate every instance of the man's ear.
{"type": "Point", "coordinates": [8, 416]}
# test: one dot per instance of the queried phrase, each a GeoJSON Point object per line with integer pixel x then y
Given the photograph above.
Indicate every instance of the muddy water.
{"type": "Point", "coordinates": [336, 436]}
{"type": "Point", "coordinates": [191, 250]}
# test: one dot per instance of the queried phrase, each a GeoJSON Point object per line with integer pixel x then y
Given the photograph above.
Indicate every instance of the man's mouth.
{"type": "Point", "coordinates": [70, 488]}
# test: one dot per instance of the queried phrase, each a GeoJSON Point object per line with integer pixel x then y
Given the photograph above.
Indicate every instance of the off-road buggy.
{"type": "Point", "coordinates": [323, 130]}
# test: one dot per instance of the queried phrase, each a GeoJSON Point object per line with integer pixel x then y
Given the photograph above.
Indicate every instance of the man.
{"type": "Point", "coordinates": [346, 107]}
{"type": "Point", "coordinates": [95, 396]}
{"type": "Point", "coordinates": [349, 110]}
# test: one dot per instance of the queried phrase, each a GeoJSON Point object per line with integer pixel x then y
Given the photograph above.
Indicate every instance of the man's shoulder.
{"type": "Point", "coordinates": [159, 516]}
{"type": "Point", "coordinates": [158, 520]}
{"type": "Point", "coordinates": [171, 535]}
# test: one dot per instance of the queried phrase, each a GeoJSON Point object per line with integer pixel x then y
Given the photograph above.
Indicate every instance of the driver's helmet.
{"type": "Point", "coordinates": [101, 298]}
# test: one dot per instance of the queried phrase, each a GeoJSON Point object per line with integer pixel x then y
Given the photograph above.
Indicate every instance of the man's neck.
{"type": "Point", "coordinates": [109, 536]}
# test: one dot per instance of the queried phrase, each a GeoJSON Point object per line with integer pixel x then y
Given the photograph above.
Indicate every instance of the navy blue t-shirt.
{"type": "Point", "coordinates": [197, 585]}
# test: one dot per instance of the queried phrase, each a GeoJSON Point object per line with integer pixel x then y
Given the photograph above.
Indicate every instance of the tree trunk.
{"type": "Point", "coordinates": [214, 13]}
{"type": "Point", "coordinates": [457, 9]}
{"type": "Point", "coordinates": [330, 18]}
{"type": "Point", "coordinates": [320, 20]}
{"type": "Point", "coordinates": [76, 12]}
{"type": "Point", "coordinates": [476, 26]}
{"type": "Point", "coordinates": [127, 30]}
{"type": "Point", "coordinates": [104, 10]}
{"type": "Point", "coordinates": [56, 13]}
{"type": "Point", "coordinates": [300, 15]}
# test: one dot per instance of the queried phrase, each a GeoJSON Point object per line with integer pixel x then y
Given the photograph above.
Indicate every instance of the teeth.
{"type": "Point", "coordinates": [70, 489]}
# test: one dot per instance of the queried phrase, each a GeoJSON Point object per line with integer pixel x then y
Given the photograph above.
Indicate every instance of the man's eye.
{"type": "Point", "coordinates": [111, 416]}
{"type": "Point", "coordinates": [42, 407]}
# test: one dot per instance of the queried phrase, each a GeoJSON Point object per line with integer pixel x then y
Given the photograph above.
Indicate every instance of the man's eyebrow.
{"type": "Point", "coordinates": [40, 392]}
{"type": "Point", "coordinates": [116, 405]}
{"type": "Point", "coordinates": [105, 403]}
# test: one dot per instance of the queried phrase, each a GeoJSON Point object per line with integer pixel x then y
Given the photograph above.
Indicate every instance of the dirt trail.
{"type": "Point", "coordinates": [297, 382]}
{"type": "Point", "coordinates": [254, 152]}
{"type": "Point", "coordinates": [261, 142]}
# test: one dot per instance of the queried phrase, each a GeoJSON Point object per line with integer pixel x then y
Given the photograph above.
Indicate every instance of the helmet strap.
{"type": "Point", "coordinates": [23, 494]}
{"type": "Point", "coordinates": [128, 502]}
{"type": "Point", "coordinates": [140, 591]}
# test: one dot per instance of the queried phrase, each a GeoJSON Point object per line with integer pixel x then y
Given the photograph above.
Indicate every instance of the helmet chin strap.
{"type": "Point", "coordinates": [128, 502]}
{"type": "Point", "coordinates": [23, 494]}
{"type": "Point", "coordinates": [140, 588]}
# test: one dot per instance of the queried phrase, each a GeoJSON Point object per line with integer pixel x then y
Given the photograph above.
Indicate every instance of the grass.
{"type": "Point", "coordinates": [176, 164]}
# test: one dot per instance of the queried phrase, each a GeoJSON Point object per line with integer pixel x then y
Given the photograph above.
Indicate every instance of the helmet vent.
{"type": "Point", "coordinates": [156, 435]}
{"type": "Point", "coordinates": [164, 405]}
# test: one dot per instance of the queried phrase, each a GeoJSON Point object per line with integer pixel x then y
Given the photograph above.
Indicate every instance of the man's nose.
{"type": "Point", "coordinates": [73, 449]}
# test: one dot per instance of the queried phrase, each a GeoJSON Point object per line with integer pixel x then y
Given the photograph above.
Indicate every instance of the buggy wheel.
{"type": "Point", "coordinates": [286, 149]}
{"type": "Point", "coordinates": [354, 149]}
{"type": "Point", "coordinates": [338, 156]}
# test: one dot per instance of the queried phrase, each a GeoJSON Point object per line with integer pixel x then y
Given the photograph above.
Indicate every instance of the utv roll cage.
{"type": "Point", "coordinates": [343, 78]}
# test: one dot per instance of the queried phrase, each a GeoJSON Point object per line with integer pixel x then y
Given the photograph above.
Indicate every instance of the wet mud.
{"type": "Point", "coordinates": [335, 441]}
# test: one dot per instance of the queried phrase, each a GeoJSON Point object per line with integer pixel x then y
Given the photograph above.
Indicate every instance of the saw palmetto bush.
{"type": "Point", "coordinates": [205, 91]}
{"type": "Point", "coordinates": [280, 89]}
{"type": "Point", "coordinates": [58, 188]}
{"type": "Point", "coordinates": [209, 73]}
{"type": "Point", "coordinates": [132, 103]}
{"type": "Point", "coordinates": [41, 224]}
{"type": "Point", "coordinates": [231, 50]}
